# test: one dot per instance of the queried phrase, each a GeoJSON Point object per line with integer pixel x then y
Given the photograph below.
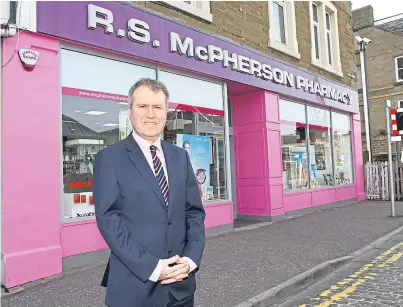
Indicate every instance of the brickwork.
{"type": "Point", "coordinates": [246, 22]}
{"type": "Point", "coordinates": [381, 53]}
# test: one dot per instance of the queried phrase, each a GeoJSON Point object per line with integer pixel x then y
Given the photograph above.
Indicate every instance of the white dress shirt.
{"type": "Point", "coordinates": [145, 148]}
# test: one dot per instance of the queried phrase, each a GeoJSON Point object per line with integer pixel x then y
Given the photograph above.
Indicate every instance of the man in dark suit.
{"type": "Point", "coordinates": [148, 210]}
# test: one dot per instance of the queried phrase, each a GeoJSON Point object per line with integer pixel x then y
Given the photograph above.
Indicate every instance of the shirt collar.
{"type": "Point", "coordinates": [144, 144]}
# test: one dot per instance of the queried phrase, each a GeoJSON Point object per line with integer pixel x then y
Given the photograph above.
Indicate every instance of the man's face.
{"type": "Point", "coordinates": [187, 147]}
{"type": "Point", "coordinates": [148, 113]}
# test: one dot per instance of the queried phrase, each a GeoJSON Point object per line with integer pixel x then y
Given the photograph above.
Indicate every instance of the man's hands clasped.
{"type": "Point", "coordinates": [177, 272]}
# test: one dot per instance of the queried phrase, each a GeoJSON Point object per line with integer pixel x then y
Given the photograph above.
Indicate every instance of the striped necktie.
{"type": "Point", "coordinates": [159, 174]}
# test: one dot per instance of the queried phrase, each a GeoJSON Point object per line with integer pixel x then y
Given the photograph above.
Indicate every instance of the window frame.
{"type": "Point", "coordinates": [397, 68]}
{"type": "Point", "coordinates": [316, 25]}
{"type": "Point", "coordinates": [291, 46]}
{"type": "Point", "coordinates": [329, 45]}
{"type": "Point", "coordinates": [325, 7]}
{"type": "Point", "coordinates": [283, 5]}
{"type": "Point", "coordinates": [204, 12]}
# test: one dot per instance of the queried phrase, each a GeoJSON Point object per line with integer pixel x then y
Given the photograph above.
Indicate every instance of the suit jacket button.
{"type": "Point", "coordinates": [170, 251]}
{"type": "Point", "coordinates": [169, 224]}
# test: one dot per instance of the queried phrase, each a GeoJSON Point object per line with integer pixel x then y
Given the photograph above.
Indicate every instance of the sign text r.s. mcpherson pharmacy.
{"type": "Point", "coordinates": [139, 31]}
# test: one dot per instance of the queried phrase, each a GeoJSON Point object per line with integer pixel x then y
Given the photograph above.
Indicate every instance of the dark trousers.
{"type": "Point", "coordinates": [188, 302]}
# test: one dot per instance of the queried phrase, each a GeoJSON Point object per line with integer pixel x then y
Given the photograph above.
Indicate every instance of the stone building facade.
{"type": "Point", "coordinates": [248, 22]}
{"type": "Point", "coordinates": [384, 72]}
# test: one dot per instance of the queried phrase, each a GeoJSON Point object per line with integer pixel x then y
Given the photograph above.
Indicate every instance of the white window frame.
{"type": "Point", "coordinates": [26, 14]}
{"type": "Point", "coordinates": [283, 5]}
{"type": "Point", "coordinates": [323, 8]}
{"type": "Point", "coordinates": [203, 12]}
{"type": "Point", "coordinates": [316, 25]}
{"type": "Point", "coordinates": [397, 69]}
{"type": "Point", "coordinates": [291, 46]}
{"type": "Point", "coordinates": [329, 34]}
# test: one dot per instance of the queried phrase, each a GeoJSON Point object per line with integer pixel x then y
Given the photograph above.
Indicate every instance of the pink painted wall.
{"type": "Point", "coordinates": [250, 153]}
{"type": "Point", "coordinates": [81, 237]}
{"type": "Point", "coordinates": [358, 160]}
{"type": "Point", "coordinates": [31, 164]}
{"type": "Point", "coordinates": [257, 153]}
{"type": "Point", "coordinates": [317, 197]}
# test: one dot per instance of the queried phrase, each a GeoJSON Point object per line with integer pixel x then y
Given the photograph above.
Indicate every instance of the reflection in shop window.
{"type": "Point", "coordinates": [342, 149]}
{"type": "Point", "coordinates": [294, 146]}
{"type": "Point", "coordinates": [88, 125]}
{"type": "Point", "coordinates": [320, 149]}
{"type": "Point", "coordinates": [201, 133]}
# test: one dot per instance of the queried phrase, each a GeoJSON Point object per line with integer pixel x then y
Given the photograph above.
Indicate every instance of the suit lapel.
{"type": "Point", "coordinates": [170, 162]}
{"type": "Point", "coordinates": [140, 162]}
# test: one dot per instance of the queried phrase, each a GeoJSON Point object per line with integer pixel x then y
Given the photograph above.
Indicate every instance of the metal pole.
{"type": "Point", "coordinates": [396, 104]}
{"type": "Point", "coordinates": [365, 98]}
{"type": "Point", "coordinates": [392, 184]}
{"type": "Point", "coordinates": [371, 151]}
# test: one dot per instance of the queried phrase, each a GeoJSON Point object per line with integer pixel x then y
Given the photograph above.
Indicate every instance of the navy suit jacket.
{"type": "Point", "coordinates": [139, 228]}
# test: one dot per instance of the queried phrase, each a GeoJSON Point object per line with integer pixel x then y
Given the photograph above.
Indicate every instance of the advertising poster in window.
{"type": "Point", "coordinates": [125, 126]}
{"type": "Point", "coordinates": [299, 160]}
{"type": "Point", "coordinates": [199, 150]}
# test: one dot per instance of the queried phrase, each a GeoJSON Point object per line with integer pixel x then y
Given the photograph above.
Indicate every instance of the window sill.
{"type": "Point", "coordinates": [323, 188]}
{"type": "Point", "coordinates": [285, 50]}
{"type": "Point", "coordinates": [216, 202]}
{"type": "Point", "coordinates": [327, 68]}
{"type": "Point", "coordinates": [78, 220]}
{"type": "Point", "coordinates": [185, 7]}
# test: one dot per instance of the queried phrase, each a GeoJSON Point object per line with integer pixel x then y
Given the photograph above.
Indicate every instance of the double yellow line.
{"type": "Point", "coordinates": [345, 287]}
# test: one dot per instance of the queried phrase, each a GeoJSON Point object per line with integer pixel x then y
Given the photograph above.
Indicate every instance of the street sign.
{"type": "Point", "coordinates": [396, 138]}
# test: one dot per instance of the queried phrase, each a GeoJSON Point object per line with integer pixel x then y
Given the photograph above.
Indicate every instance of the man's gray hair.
{"type": "Point", "coordinates": [154, 85]}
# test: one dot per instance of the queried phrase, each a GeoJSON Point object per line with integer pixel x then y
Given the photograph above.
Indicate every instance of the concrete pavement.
{"type": "Point", "coordinates": [242, 264]}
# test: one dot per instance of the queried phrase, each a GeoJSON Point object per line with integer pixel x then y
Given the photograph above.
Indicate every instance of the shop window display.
{"type": "Point", "coordinates": [342, 149]}
{"type": "Point", "coordinates": [202, 136]}
{"type": "Point", "coordinates": [320, 149]}
{"type": "Point", "coordinates": [88, 125]}
{"type": "Point", "coordinates": [294, 146]}
{"type": "Point", "coordinates": [95, 115]}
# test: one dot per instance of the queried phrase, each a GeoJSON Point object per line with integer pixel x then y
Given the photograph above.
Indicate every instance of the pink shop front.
{"type": "Point", "coordinates": [266, 139]}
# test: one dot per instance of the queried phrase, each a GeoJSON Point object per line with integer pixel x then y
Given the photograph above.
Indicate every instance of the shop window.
{"type": "Point", "coordinates": [199, 9]}
{"type": "Point", "coordinates": [282, 27]}
{"type": "Point", "coordinates": [88, 125]}
{"type": "Point", "coordinates": [95, 115]}
{"type": "Point", "coordinates": [320, 151]}
{"type": "Point", "coordinates": [325, 51]}
{"type": "Point", "coordinates": [342, 149]}
{"type": "Point", "coordinates": [196, 123]}
{"type": "Point", "coordinates": [294, 146]}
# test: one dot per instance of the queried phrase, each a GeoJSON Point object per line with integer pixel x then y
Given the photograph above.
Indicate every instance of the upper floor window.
{"type": "Point", "coordinates": [199, 9]}
{"type": "Point", "coordinates": [282, 27]}
{"type": "Point", "coordinates": [325, 36]}
{"type": "Point", "coordinates": [399, 69]}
